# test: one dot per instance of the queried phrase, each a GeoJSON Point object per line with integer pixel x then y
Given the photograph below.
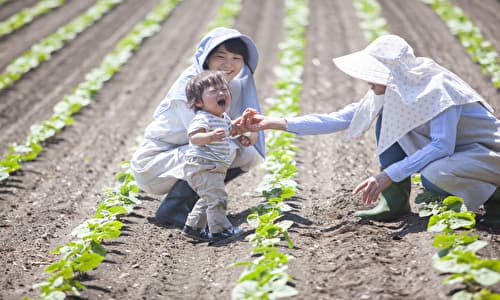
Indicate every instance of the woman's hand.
{"type": "Point", "coordinates": [372, 187]}
{"type": "Point", "coordinates": [238, 124]}
{"type": "Point", "coordinates": [261, 122]}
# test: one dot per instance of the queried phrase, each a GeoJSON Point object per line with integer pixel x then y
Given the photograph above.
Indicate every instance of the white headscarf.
{"type": "Point", "coordinates": [418, 89]}
{"type": "Point", "coordinates": [243, 85]}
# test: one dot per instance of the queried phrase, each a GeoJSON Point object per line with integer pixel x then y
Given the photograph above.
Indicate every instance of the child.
{"type": "Point", "coordinates": [209, 156]}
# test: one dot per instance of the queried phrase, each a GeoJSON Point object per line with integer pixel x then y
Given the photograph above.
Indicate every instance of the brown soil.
{"type": "Point", "coordinates": [336, 257]}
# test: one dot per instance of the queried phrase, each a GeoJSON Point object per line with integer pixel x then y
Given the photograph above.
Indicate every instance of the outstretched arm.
{"type": "Point", "coordinates": [261, 122]}
{"type": "Point", "coordinates": [307, 124]}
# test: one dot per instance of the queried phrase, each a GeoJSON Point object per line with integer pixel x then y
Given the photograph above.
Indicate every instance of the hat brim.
{"type": "Point", "coordinates": [363, 66]}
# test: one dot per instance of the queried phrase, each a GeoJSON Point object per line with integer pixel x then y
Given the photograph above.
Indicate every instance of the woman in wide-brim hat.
{"type": "Point", "coordinates": [428, 121]}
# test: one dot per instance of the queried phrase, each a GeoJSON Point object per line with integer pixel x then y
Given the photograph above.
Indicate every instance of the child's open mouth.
{"type": "Point", "coordinates": [221, 102]}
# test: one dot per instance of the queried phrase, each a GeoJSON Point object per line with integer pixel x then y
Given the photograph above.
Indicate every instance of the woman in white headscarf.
{"type": "Point", "coordinates": [429, 121]}
{"type": "Point", "coordinates": [159, 163]}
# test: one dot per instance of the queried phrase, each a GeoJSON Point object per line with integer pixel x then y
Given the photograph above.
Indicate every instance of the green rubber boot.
{"type": "Point", "coordinates": [393, 203]}
{"type": "Point", "coordinates": [492, 207]}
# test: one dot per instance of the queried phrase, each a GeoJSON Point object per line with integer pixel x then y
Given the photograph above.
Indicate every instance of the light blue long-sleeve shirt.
{"type": "Point", "coordinates": [443, 132]}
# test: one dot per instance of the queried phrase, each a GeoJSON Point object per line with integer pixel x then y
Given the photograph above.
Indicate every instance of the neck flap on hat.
{"type": "Point", "coordinates": [418, 90]}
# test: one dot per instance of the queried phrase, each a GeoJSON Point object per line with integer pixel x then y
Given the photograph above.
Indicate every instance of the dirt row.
{"type": "Point", "coordinates": [336, 256]}
{"type": "Point", "coordinates": [12, 7]}
{"type": "Point", "coordinates": [32, 99]}
{"type": "Point", "coordinates": [22, 39]}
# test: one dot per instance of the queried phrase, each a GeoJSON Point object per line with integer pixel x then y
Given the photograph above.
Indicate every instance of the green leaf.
{"type": "Point", "coordinates": [285, 291]}
{"type": "Point", "coordinates": [56, 266]}
{"type": "Point", "coordinates": [253, 220]}
{"type": "Point", "coordinates": [245, 290]}
{"type": "Point", "coordinates": [449, 264]}
{"type": "Point", "coordinates": [97, 248]}
{"type": "Point", "coordinates": [465, 219]}
{"type": "Point", "coordinates": [4, 174]}
{"type": "Point", "coordinates": [55, 295]}
{"type": "Point", "coordinates": [474, 246]}
{"type": "Point", "coordinates": [429, 209]}
{"type": "Point", "coordinates": [443, 241]}
{"type": "Point", "coordinates": [453, 203]}
{"type": "Point", "coordinates": [485, 277]}
{"type": "Point", "coordinates": [437, 225]}
{"type": "Point", "coordinates": [87, 261]}
{"type": "Point", "coordinates": [285, 225]}
{"type": "Point", "coordinates": [428, 197]}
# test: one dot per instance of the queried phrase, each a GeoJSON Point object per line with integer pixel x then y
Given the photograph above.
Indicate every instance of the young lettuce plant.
{"type": "Point", "coordinates": [457, 250]}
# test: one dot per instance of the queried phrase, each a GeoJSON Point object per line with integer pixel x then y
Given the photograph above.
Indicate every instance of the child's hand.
{"type": "Point", "coordinates": [218, 135]}
{"type": "Point", "coordinates": [237, 127]}
{"type": "Point", "coordinates": [248, 139]}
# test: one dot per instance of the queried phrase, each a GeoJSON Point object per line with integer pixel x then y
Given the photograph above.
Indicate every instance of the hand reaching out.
{"type": "Point", "coordinates": [238, 125]}
{"type": "Point", "coordinates": [372, 187]}
{"type": "Point", "coordinates": [249, 113]}
{"type": "Point", "coordinates": [257, 122]}
{"type": "Point", "coordinates": [251, 120]}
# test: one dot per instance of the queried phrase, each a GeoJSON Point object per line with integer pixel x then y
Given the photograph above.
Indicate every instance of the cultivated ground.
{"type": "Point", "coordinates": [337, 255]}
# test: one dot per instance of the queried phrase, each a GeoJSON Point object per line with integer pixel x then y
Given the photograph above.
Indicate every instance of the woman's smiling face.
{"type": "Point", "coordinates": [223, 60]}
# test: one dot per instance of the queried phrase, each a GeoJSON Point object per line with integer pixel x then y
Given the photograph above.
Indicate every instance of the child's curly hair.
{"type": "Point", "coordinates": [198, 84]}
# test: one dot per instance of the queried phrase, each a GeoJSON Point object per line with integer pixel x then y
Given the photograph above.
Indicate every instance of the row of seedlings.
{"type": "Point", "coordinates": [457, 250]}
{"type": "Point", "coordinates": [81, 95]}
{"type": "Point", "coordinates": [41, 51]}
{"type": "Point", "coordinates": [27, 15]}
{"type": "Point", "coordinates": [265, 277]}
{"type": "Point", "coordinates": [87, 252]}
{"type": "Point", "coordinates": [227, 15]}
{"type": "Point", "coordinates": [481, 50]}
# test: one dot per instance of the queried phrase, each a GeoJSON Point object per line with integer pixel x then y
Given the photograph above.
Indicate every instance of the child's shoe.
{"type": "Point", "coordinates": [196, 233]}
{"type": "Point", "coordinates": [230, 232]}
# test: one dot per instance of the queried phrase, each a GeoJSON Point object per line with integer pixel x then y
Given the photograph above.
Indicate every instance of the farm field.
{"type": "Point", "coordinates": [337, 256]}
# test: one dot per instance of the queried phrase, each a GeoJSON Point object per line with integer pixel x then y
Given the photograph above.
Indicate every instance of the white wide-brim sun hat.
{"type": "Point", "coordinates": [363, 66]}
